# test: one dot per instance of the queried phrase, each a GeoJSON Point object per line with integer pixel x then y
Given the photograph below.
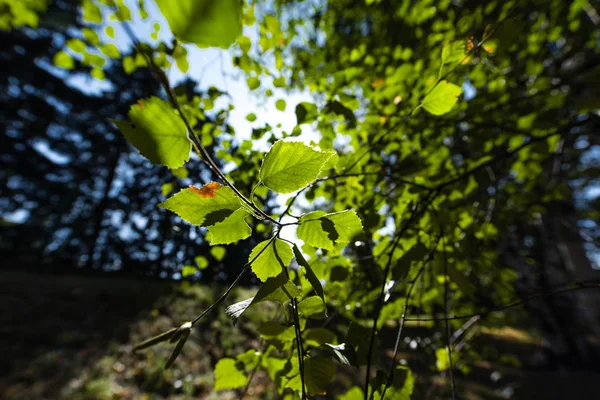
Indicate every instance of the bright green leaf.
{"type": "Point", "coordinates": [323, 230]}
{"type": "Point", "coordinates": [158, 132]}
{"type": "Point", "coordinates": [290, 166]}
{"type": "Point", "coordinates": [203, 210]}
{"type": "Point", "coordinates": [91, 36]}
{"type": "Point", "coordinates": [180, 172]}
{"type": "Point", "coordinates": [166, 189]}
{"type": "Point", "coordinates": [110, 32]}
{"type": "Point", "coordinates": [98, 73]}
{"type": "Point", "coordinates": [245, 44]}
{"type": "Point", "coordinates": [231, 229]}
{"type": "Point", "coordinates": [206, 23]}
{"type": "Point", "coordinates": [313, 307]}
{"type": "Point", "coordinates": [110, 50]}
{"type": "Point", "coordinates": [306, 112]}
{"type": "Point", "coordinates": [91, 12]}
{"type": "Point", "coordinates": [77, 45]}
{"type": "Point", "coordinates": [201, 261]}
{"type": "Point", "coordinates": [251, 117]}
{"type": "Point", "coordinates": [253, 83]}
{"type": "Point", "coordinates": [442, 98]}
{"type": "Point", "coordinates": [188, 270]}
{"type": "Point", "coordinates": [277, 255]}
{"type": "Point", "coordinates": [228, 375]}
{"type": "Point", "coordinates": [63, 60]}
{"type": "Point", "coordinates": [280, 104]}
{"type": "Point", "coordinates": [218, 252]}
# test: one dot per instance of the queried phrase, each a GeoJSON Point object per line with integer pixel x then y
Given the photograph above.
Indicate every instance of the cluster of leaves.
{"type": "Point", "coordinates": [412, 191]}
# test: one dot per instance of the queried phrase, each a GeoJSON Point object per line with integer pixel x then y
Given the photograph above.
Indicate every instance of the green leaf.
{"type": "Point", "coordinates": [158, 132]}
{"type": "Point", "coordinates": [166, 189]}
{"type": "Point", "coordinates": [278, 289]}
{"type": "Point", "coordinates": [228, 375]}
{"type": "Point", "coordinates": [323, 230]}
{"type": "Point", "coordinates": [318, 372]}
{"type": "Point", "coordinates": [245, 43]}
{"type": "Point", "coordinates": [77, 45]}
{"type": "Point", "coordinates": [231, 229]}
{"type": "Point", "coordinates": [313, 307]}
{"type": "Point", "coordinates": [401, 387]}
{"type": "Point", "coordinates": [203, 211]}
{"type": "Point", "coordinates": [91, 12]}
{"type": "Point", "coordinates": [311, 231]}
{"type": "Point", "coordinates": [97, 73]}
{"type": "Point", "coordinates": [306, 112]}
{"type": "Point", "coordinates": [180, 172]}
{"type": "Point", "coordinates": [271, 330]}
{"type": "Point", "coordinates": [277, 255]}
{"type": "Point", "coordinates": [218, 252]}
{"type": "Point", "coordinates": [110, 50]}
{"type": "Point", "coordinates": [355, 393]}
{"type": "Point", "coordinates": [280, 104]}
{"type": "Point", "coordinates": [253, 83]}
{"type": "Point", "coordinates": [110, 32]}
{"type": "Point", "coordinates": [62, 59]}
{"type": "Point", "coordinates": [207, 23]}
{"type": "Point", "coordinates": [188, 270]}
{"type": "Point", "coordinates": [91, 36]}
{"type": "Point", "coordinates": [290, 166]}
{"type": "Point", "coordinates": [453, 52]}
{"type": "Point", "coordinates": [310, 274]}
{"type": "Point", "coordinates": [318, 336]}
{"type": "Point", "coordinates": [251, 117]}
{"type": "Point", "coordinates": [442, 98]}
{"type": "Point", "coordinates": [201, 261]}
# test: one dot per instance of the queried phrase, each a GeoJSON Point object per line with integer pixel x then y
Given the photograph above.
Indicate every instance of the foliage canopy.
{"type": "Point", "coordinates": [444, 132]}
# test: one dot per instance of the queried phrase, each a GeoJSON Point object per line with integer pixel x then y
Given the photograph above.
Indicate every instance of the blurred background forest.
{"type": "Point", "coordinates": [91, 266]}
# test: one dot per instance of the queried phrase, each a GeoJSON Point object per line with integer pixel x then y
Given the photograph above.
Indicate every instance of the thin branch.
{"type": "Point", "coordinates": [380, 299]}
{"type": "Point", "coordinates": [579, 285]}
{"type": "Point", "coordinates": [204, 154]}
{"type": "Point", "coordinates": [235, 282]}
{"type": "Point", "coordinates": [447, 322]}
{"type": "Point", "coordinates": [403, 319]}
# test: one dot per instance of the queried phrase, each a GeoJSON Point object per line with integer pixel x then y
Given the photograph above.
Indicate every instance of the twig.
{"type": "Point", "coordinates": [235, 282]}
{"type": "Point", "coordinates": [447, 322]}
{"type": "Point", "coordinates": [403, 319]}
{"type": "Point", "coordinates": [579, 285]}
{"type": "Point", "coordinates": [204, 155]}
{"type": "Point", "coordinates": [379, 304]}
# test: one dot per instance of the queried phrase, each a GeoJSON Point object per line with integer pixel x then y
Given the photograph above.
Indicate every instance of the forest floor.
{"type": "Point", "coordinates": [70, 337]}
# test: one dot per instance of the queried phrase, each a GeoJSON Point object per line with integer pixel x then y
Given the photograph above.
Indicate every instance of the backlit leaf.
{"type": "Point", "coordinates": [323, 230]}
{"type": "Point", "coordinates": [158, 132]}
{"type": "Point", "coordinates": [231, 229]}
{"type": "Point", "coordinates": [290, 166]}
{"type": "Point", "coordinates": [206, 23]}
{"type": "Point", "coordinates": [63, 60]}
{"type": "Point", "coordinates": [203, 211]}
{"type": "Point", "coordinates": [277, 255]}
{"type": "Point", "coordinates": [228, 375]}
{"type": "Point", "coordinates": [442, 98]}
